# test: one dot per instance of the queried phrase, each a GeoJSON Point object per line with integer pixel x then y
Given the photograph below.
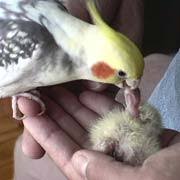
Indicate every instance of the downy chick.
{"type": "Point", "coordinates": [128, 138]}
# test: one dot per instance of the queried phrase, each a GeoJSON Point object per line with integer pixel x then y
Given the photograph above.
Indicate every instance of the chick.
{"type": "Point", "coordinates": [128, 138]}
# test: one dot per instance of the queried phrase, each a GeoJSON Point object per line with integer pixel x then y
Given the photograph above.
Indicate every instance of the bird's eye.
{"type": "Point", "coordinates": [121, 74]}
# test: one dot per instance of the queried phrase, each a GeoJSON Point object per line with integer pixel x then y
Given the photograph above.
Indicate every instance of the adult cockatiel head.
{"type": "Point", "coordinates": [113, 57]}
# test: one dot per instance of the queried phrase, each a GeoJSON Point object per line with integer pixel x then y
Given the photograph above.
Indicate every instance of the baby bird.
{"type": "Point", "coordinates": [128, 138]}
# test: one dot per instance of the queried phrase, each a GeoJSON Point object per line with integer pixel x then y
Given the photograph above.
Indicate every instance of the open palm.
{"type": "Point", "coordinates": [62, 133]}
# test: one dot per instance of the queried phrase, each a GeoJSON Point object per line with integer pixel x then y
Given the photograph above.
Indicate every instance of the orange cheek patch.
{"type": "Point", "coordinates": [102, 70]}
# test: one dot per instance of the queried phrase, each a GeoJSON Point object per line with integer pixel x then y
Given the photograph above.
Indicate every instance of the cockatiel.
{"type": "Point", "coordinates": [127, 138]}
{"type": "Point", "coordinates": [41, 44]}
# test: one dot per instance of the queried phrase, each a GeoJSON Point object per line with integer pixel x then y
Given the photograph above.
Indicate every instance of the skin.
{"type": "Point", "coordinates": [64, 140]}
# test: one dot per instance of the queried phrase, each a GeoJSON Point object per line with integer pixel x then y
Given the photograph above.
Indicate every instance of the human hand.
{"type": "Point", "coordinates": [63, 138]}
{"type": "Point", "coordinates": [57, 120]}
{"type": "Point", "coordinates": [163, 165]}
{"type": "Point", "coordinates": [30, 108]}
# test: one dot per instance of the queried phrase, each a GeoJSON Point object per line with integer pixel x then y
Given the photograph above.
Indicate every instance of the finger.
{"type": "Point", "coordinates": [30, 147]}
{"type": "Point", "coordinates": [65, 121]}
{"type": "Point", "coordinates": [87, 163]}
{"type": "Point", "coordinates": [59, 146]}
{"type": "Point", "coordinates": [71, 104]}
{"type": "Point", "coordinates": [164, 163]}
{"type": "Point", "coordinates": [95, 86]}
{"type": "Point", "coordinates": [98, 103]}
{"type": "Point", "coordinates": [28, 107]}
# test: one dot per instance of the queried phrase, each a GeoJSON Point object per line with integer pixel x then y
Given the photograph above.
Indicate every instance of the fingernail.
{"type": "Point", "coordinates": [94, 85]}
{"type": "Point", "coordinates": [80, 163]}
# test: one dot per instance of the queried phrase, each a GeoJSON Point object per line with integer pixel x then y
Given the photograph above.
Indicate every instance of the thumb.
{"type": "Point", "coordinates": [93, 165]}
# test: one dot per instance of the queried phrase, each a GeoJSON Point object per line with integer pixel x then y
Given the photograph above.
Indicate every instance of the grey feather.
{"type": "Point", "coordinates": [29, 55]}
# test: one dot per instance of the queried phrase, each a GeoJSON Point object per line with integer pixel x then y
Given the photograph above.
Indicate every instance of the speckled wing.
{"type": "Point", "coordinates": [19, 41]}
{"type": "Point", "coordinates": [28, 52]}
{"type": "Point", "coordinates": [22, 45]}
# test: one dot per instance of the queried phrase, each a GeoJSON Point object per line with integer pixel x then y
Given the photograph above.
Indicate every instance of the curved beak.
{"type": "Point", "coordinates": [131, 83]}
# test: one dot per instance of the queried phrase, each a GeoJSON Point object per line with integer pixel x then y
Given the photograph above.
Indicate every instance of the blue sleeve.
{"type": "Point", "coordinates": [166, 95]}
